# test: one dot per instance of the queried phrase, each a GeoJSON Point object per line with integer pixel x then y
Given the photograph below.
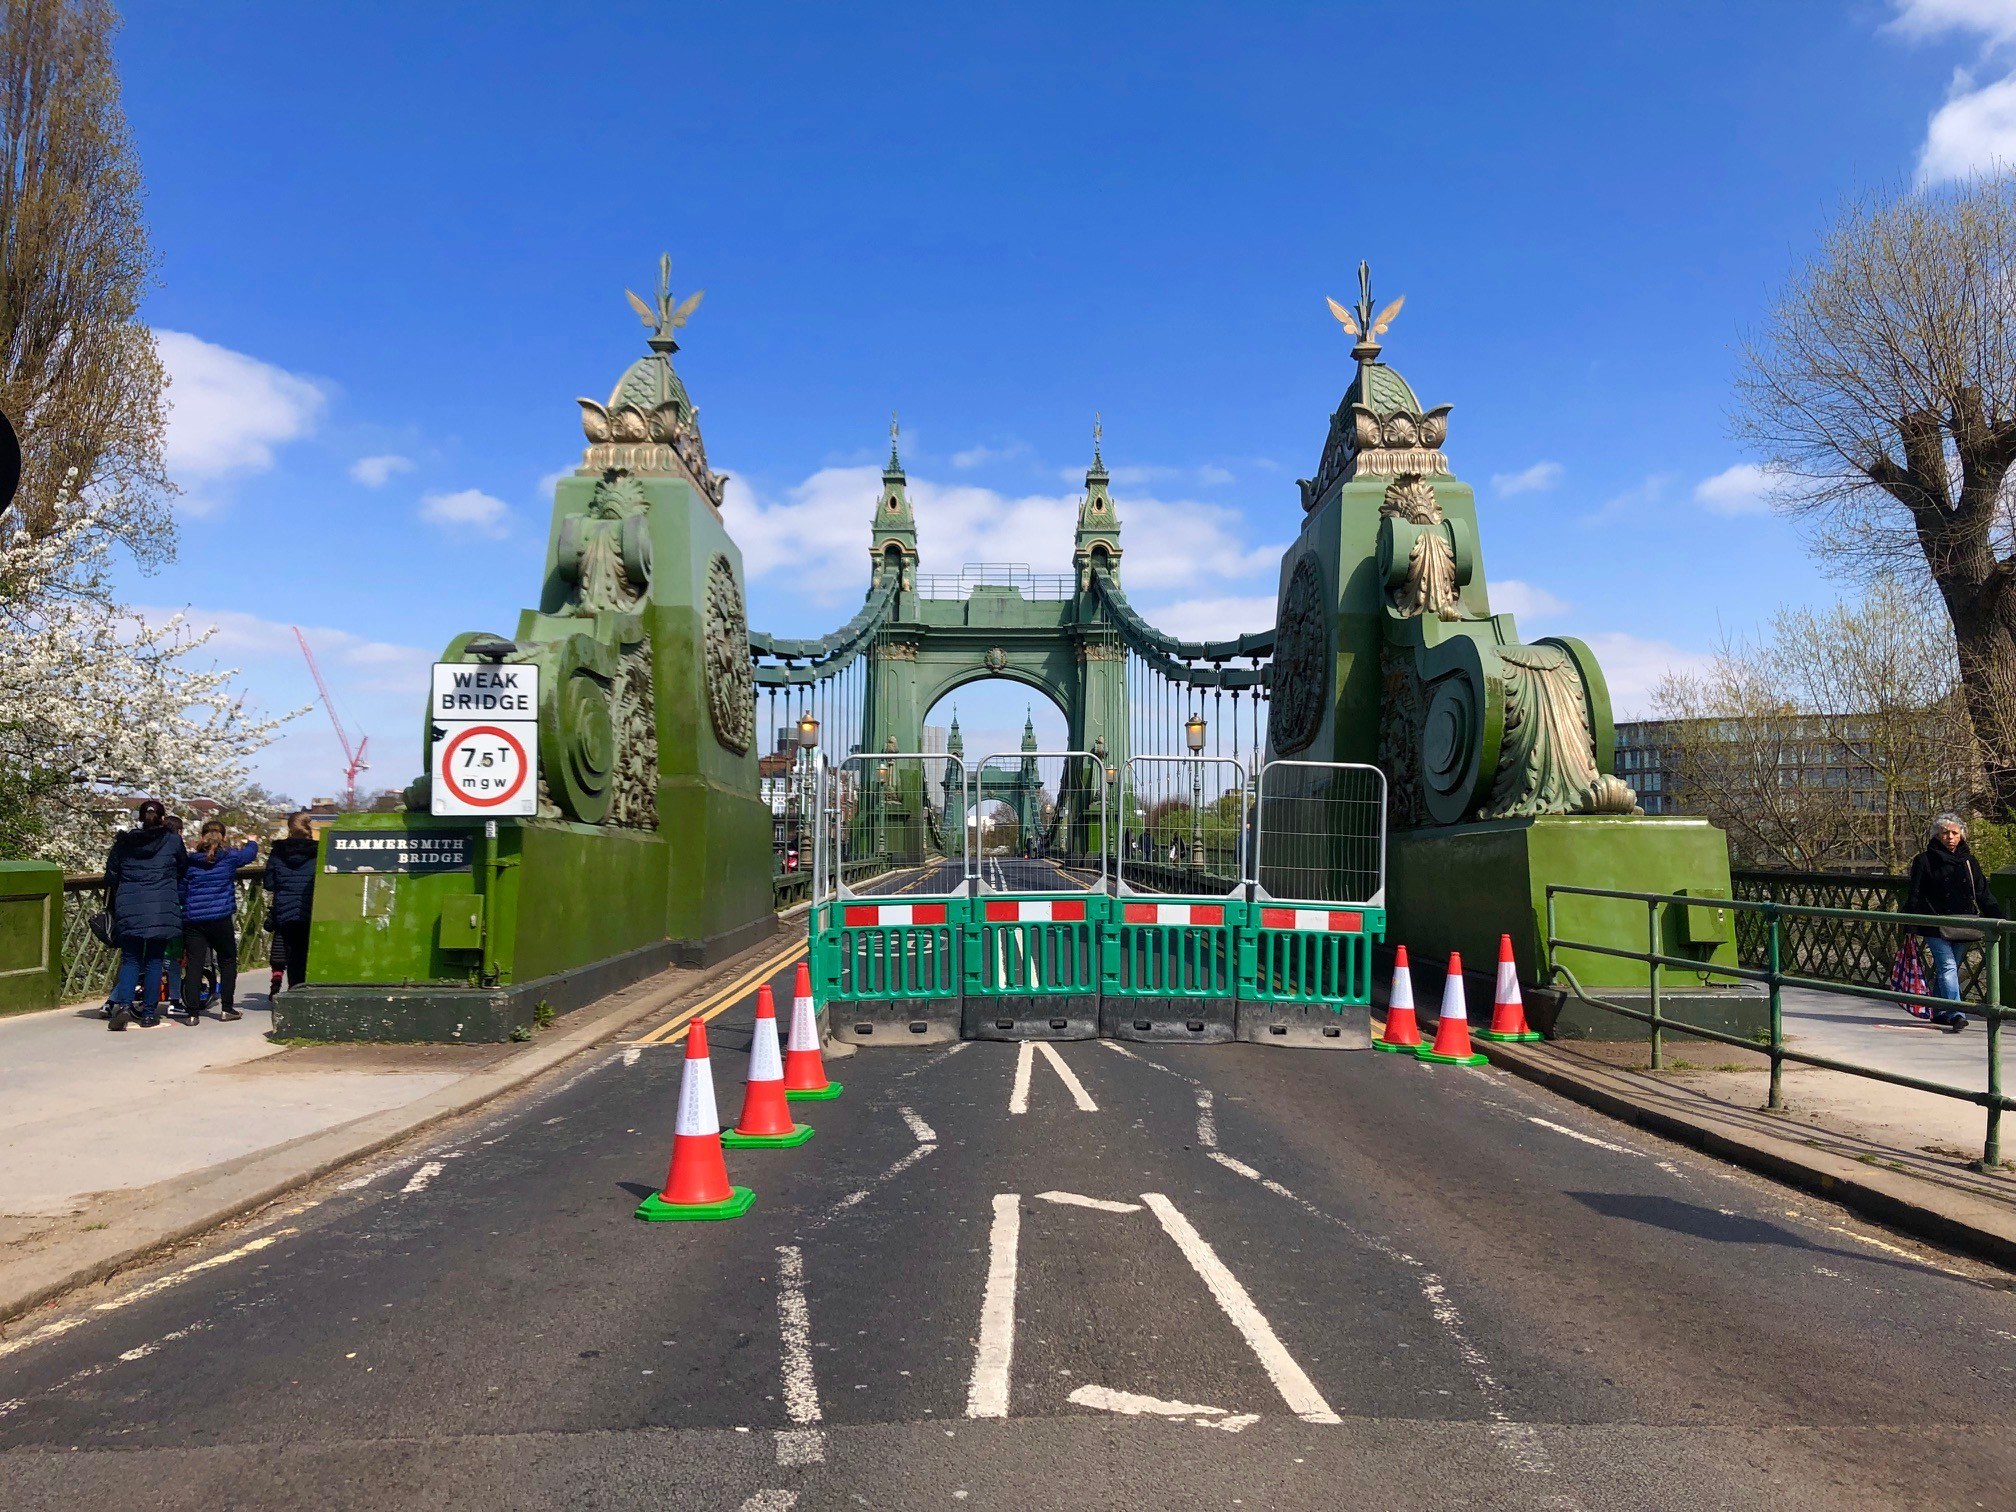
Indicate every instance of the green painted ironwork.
{"type": "Point", "coordinates": [89, 967]}
{"type": "Point", "coordinates": [1773, 917]}
{"type": "Point", "coordinates": [1843, 949]}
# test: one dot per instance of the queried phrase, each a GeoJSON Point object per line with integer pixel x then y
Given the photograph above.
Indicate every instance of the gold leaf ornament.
{"type": "Point", "coordinates": [1344, 316]}
{"type": "Point", "coordinates": [644, 312]}
{"type": "Point", "coordinates": [1386, 315]}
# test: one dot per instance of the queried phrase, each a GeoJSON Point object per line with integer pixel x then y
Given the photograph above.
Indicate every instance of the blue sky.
{"type": "Point", "coordinates": [394, 243]}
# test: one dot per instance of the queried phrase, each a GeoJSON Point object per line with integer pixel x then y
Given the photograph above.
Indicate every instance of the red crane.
{"type": "Point", "coordinates": [353, 758]}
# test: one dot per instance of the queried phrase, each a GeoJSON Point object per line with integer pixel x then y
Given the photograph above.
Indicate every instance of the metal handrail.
{"type": "Point", "coordinates": [1991, 1008]}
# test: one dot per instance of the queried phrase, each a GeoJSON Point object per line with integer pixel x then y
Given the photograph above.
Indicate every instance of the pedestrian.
{"type": "Point", "coordinates": [290, 878]}
{"type": "Point", "coordinates": [210, 918]}
{"type": "Point", "coordinates": [143, 896]}
{"type": "Point", "coordinates": [177, 952]}
{"type": "Point", "coordinates": [1947, 881]}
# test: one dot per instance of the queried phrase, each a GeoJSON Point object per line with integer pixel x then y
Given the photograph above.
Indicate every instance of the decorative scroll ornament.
{"type": "Point", "coordinates": [731, 684]}
{"type": "Point", "coordinates": [650, 426]}
{"type": "Point", "coordinates": [1547, 763]}
{"type": "Point", "coordinates": [996, 658]}
{"type": "Point", "coordinates": [607, 552]}
{"type": "Point", "coordinates": [633, 790]}
{"type": "Point", "coordinates": [896, 650]}
{"type": "Point", "coordinates": [1430, 584]}
{"type": "Point", "coordinates": [1302, 660]}
{"type": "Point", "coordinates": [1101, 651]}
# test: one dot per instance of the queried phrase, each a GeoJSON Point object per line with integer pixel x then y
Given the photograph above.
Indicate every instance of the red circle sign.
{"type": "Point", "coordinates": [485, 800]}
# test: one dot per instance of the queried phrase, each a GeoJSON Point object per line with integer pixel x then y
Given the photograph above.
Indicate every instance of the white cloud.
{"type": "Point", "coordinates": [1511, 596]}
{"type": "Point", "coordinates": [1744, 489]}
{"type": "Point", "coordinates": [1538, 478]}
{"type": "Point", "coordinates": [1633, 667]}
{"type": "Point", "coordinates": [1919, 20]}
{"type": "Point", "coordinates": [1635, 500]}
{"type": "Point", "coordinates": [980, 456]}
{"type": "Point", "coordinates": [816, 539]}
{"type": "Point", "coordinates": [1211, 618]}
{"type": "Point", "coordinates": [1212, 476]}
{"type": "Point", "coordinates": [376, 472]}
{"type": "Point", "coordinates": [227, 412]}
{"type": "Point", "coordinates": [1973, 132]}
{"type": "Point", "coordinates": [467, 512]}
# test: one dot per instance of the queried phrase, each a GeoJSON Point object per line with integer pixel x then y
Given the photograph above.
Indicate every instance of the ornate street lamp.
{"type": "Point", "coordinates": [808, 738]}
{"type": "Point", "coordinates": [1193, 736]}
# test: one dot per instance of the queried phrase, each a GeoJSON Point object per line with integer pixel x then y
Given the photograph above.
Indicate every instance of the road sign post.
{"type": "Point", "coordinates": [483, 740]}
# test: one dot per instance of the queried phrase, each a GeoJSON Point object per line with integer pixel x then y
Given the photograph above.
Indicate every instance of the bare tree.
{"type": "Point", "coordinates": [78, 373]}
{"type": "Point", "coordinates": [1831, 738]}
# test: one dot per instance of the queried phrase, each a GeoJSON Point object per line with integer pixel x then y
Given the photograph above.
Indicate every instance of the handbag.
{"type": "Point", "coordinates": [1960, 934]}
{"type": "Point", "coordinates": [1907, 974]}
{"type": "Point", "coordinates": [100, 925]}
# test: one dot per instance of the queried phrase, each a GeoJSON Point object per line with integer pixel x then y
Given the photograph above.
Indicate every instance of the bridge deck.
{"type": "Point", "coordinates": [1190, 1278]}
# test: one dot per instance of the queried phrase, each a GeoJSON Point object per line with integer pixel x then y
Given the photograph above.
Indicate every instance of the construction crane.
{"type": "Point", "coordinates": [353, 757]}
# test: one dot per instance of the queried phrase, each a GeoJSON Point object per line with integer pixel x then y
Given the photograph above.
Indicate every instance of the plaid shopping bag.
{"type": "Point", "coordinates": [1907, 974]}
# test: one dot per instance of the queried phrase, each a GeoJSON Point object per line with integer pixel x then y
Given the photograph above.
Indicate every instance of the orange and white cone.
{"type": "Point", "coordinates": [1403, 1030]}
{"type": "Point", "coordinates": [766, 1115]}
{"type": "Point", "coordinates": [697, 1186]}
{"type": "Point", "coordinates": [1452, 1029]}
{"type": "Point", "coordinates": [804, 1067]}
{"type": "Point", "coordinates": [1508, 1008]}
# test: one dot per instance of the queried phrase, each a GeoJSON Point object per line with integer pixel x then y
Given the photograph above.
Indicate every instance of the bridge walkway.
{"type": "Point", "coordinates": [1043, 1276]}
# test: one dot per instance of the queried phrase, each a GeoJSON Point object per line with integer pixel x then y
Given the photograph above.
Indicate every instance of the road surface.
{"type": "Point", "coordinates": [1018, 1277]}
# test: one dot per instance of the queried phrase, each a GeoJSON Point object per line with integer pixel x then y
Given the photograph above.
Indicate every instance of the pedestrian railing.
{"type": "Point", "coordinates": [1773, 919]}
{"type": "Point", "coordinates": [89, 966]}
{"type": "Point", "coordinates": [1847, 950]}
{"type": "Point", "coordinates": [792, 888]}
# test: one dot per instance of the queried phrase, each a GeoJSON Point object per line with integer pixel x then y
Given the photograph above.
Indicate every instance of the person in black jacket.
{"type": "Point", "coordinates": [1946, 879]}
{"type": "Point", "coordinates": [143, 894]}
{"type": "Point", "coordinates": [290, 878]}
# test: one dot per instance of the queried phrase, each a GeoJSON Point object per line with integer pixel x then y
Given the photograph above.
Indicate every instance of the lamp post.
{"type": "Point", "coordinates": [1106, 795]}
{"type": "Point", "coordinates": [1193, 736]}
{"type": "Point", "coordinates": [808, 738]}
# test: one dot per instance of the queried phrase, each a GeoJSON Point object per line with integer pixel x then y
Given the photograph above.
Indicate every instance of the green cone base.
{"type": "Point", "coordinates": [1452, 1060]}
{"type": "Point", "coordinates": [798, 1135]}
{"type": "Point", "coordinates": [1510, 1039]}
{"type": "Point", "coordinates": [825, 1094]}
{"type": "Point", "coordinates": [655, 1209]}
{"type": "Point", "coordinates": [1395, 1049]}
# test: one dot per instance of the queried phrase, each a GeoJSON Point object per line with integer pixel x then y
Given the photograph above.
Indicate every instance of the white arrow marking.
{"type": "Point", "coordinates": [987, 1395]}
{"type": "Point", "coordinates": [1070, 1077]}
{"type": "Point", "coordinates": [1108, 1400]}
{"type": "Point", "coordinates": [1072, 1199]}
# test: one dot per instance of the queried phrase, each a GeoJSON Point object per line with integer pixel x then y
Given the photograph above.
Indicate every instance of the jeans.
{"type": "Point", "coordinates": [142, 964]}
{"type": "Point", "coordinates": [1945, 968]}
{"type": "Point", "coordinates": [210, 938]}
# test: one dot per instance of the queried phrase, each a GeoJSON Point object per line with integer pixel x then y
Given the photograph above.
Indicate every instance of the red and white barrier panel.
{"type": "Point", "coordinates": [884, 915]}
{"type": "Point", "coordinates": [1323, 920]}
{"type": "Point", "coordinates": [1173, 913]}
{"type": "Point", "coordinates": [1036, 911]}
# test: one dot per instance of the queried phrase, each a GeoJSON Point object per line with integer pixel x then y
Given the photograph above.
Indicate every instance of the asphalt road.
{"type": "Point", "coordinates": [1034, 1277]}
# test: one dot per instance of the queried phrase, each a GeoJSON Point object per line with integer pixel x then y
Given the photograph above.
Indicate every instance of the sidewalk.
{"type": "Point", "coordinates": [116, 1145]}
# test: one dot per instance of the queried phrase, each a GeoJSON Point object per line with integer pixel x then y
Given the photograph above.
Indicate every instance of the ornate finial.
{"type": "Point", "coordinates": [1098, 432]}
{"type": "Point", "coordinates": [894, 464]}
{"type": "Point", "coordinates": [664, 319]}
{"type": "Point", "coordinates": [1362, 323]}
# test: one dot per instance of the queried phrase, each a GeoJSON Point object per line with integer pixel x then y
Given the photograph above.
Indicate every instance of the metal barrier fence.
{"type": "Point", "coordinates": [1038, 822]}
{"type": "Point", "coordinates": [1846, 950]}
{"type": "Point", "coordinates": [1774, 975]}
{"type": "Point", "coordinates": [908, 809]}
{"type": "Point", "coordinates": [1181, 826]}
{"type": "Point", "coordinates": [89, 967]}
{"type": "Point", "coordinates": [1320, 835]}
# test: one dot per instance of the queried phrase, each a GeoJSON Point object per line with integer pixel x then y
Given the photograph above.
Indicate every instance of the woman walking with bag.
{"type": "Point", "coordinates": [143, 894]}
{"type": "Point", "coordinates": [1946, 879]}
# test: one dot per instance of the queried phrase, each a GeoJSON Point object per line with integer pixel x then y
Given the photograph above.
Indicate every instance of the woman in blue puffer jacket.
{"type": "Point", "coordinates": [210, 920]}
{"type": "Point", "coordinates": [143, 894]}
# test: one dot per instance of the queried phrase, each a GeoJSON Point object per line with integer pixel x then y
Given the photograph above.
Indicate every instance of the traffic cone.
{"type": "Point", "coordinates": [1452, 1030]}
{"type": "Point", "coordinates": [1402, 1031]}
{"type": "Point", "coordinates": [804, 1067]}
{"type": "Point", "coordinates": [1508, 1009]}
{"type": "Point", "coordinates": [697, 1186]}
{"type": "Point", "coordinates": [766, 1117]}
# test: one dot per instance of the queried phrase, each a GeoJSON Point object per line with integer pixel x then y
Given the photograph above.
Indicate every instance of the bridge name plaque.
{"type": "Point", "coordinates": [377, 851]}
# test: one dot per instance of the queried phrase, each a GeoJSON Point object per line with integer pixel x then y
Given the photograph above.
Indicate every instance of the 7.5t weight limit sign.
{"type": "Point", "coordinates": [484, 739]}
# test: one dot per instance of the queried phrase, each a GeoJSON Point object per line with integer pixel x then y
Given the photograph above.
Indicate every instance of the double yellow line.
{"type": "Point", "coordinates": [710, 1008]}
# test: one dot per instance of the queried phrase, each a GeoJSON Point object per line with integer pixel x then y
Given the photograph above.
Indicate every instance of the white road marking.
{"type": "Point", "coordinates": [924, 1132]}
{"type": "Point", "coordinates": [420, 1178]}
{"type": "Point", "coordinates": [770, 1501]}
{"type": "Point", "coordinates": [1236, 1424]}
{"type": "Point", "coordinates": [1070, 1078]}
{"type": "Point", "coordinates": [855, 1198]}
{"type": "Point", "coordinates": [357, 1183]}
{"type": "Point", "coordinates": [1891, 1249]}
{"type": "Point", "coordinates": [1072, 1199]}
{"type": "Point", "coordinates": [17, 1403]}
{"type": "Point", "coordinates": [1296, 1389]}
{"type": "Point", "coordinates": [803, 1443]}
{"type": "Point", "coordinates": [1108, 1400]}
{"type": "Point", "coordinates": [1588, 1139]}
{"type": "Point", "coordinates": [1025, 1062]}
{"type": "Point", "coordinates": [1207, 1121]}
{"type": "Point", "coordinates": [140, 1293]}
{"type": "Point", "coordinates": [987, 1394]}
{"type": "Point", "coordinates": [633, 1054]}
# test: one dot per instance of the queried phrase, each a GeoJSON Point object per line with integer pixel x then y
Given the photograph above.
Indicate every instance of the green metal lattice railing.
{"type": "Point", "coordinates": [1772, 919]}
{"type": "Point", "coordinates": [1847, 950]}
